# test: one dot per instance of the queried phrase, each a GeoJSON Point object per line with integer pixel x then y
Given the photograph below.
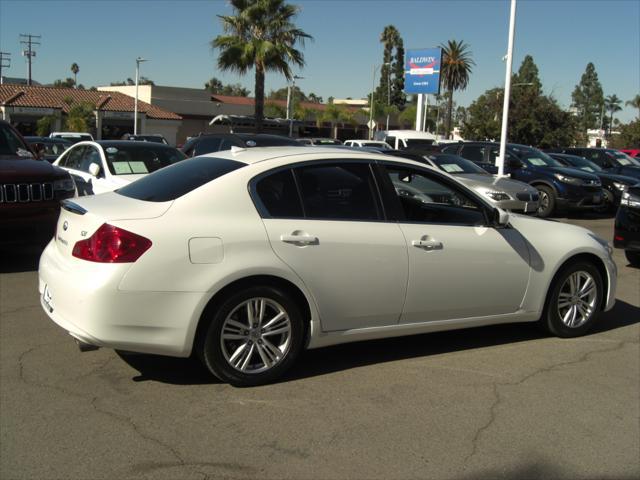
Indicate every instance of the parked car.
{"type": "Point", "coordinates": [627, 226]}
{"type": "Point", "coordinates": [612, 185]}
{"type": "Point", "coordinates": [246, 258]}
{"type": "Point", "coordinates": [503, 192]}
{"type": "Point", "coordinates": [155, 138]}
{"type": "Point", "coordinates": [407, 139]}
{"type": "Point", "coordinates": [319, 141]}
{"type": "Point", "coordinates": [368, 143]}
{"type": "Point", "coordinates": [103, 166]}
{"type": "Point", "coordinates": [30, 191]}
{"type": "Point", "coordinates": [613, 161]}
{"type": "Point", "coordinates": [632, 152]}
{"type": "Point", "coordinates": [560, 188]}
{"type": "Point", "coordinates": [48, 148]}
{"type": "Point", "coordinates": [215, 142]}
{"type": "Point", "coordinates": [73, 137]}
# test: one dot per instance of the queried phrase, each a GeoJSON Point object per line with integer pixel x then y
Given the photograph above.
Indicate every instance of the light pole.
{"type": "Point", "coordinates": [373, 86]}
{"type": "Point", "coordinates": [507, 90]}
{"type": "Point", "coordinates": [290, 97]}
{"type": "Point", "coordinates": [139, 60]}
{"type": "Point", "coordinates": [388, 92]}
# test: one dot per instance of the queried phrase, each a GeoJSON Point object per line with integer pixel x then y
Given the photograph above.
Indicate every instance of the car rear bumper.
{"type": "Point", "coordinates": [86, 302]}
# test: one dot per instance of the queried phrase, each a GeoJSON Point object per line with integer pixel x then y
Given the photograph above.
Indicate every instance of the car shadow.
{"type": "Point", "coordinates": [324, 361]}
{"type": "Point", "coordinates": [20, 258]}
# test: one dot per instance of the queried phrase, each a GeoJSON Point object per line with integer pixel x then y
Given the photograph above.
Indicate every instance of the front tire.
{"type": "Point", "coordinates": [254, 336]}
{"type": "Point", "coordinates": [573, 302]}
{"type": "Point", "coordinates": [547, 201]}
{"type": "Point", "coordinates": [633, 257]}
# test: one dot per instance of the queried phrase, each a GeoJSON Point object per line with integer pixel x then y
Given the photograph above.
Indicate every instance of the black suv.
{"type": "Point", "coordinates": [613, 161]}
{"type": "Point", "coordinates": [560, 188]}
{"type": "Point", "coordinates": [627, 229]}
{"type": "Point", "coordinates": [214, 142]}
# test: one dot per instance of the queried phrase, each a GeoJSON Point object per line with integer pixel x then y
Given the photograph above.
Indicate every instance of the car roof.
{"type": "Point", "coordinates": [123, 144]}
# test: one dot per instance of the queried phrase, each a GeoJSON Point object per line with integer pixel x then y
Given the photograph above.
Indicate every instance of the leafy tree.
{"type": "Point", "coordinates": [313, 98]}
{"type": "Point", "coordinates": [81, 117]}
{"type": "Point", "coordinates": [274, 110]}
{"type": "Point", "coordinates": [142, 80]}
{"type": "Point", "coordinates": [260, 35]}
{"type": "Point", "coordinates": [67, 83]}
{"type": "Point", "coordinates": [75, 69]}
{"type": "Point", "coordinates": [337, 115]}
{"type": "Point", "coordinates": [612, 105]}
{"type": "Point", "coordinates": [391, 86]}
{"type": "Point", "coordinates": [45, 125]}
{"type": "Point", "coordinates": [213, 85]}
{"type": "Point", "coordinates": [217, 87]}
{"type": "Point", "coordinates": [407, 117]}
{"type": "Point", "coordinates": [483, 116]}
{"type": "Point", "coordinates": [588, 100]}
{"type": "Point", "coordinates": [635, 103]}
{"type": "Point", "coordinates": [398, 98]}
{"type": "Point", "coordinates": [282, 93]}
{"type": "Point", "coordinates": [629, 135]}
{"type": "Point", "coordinates": [455, 72]}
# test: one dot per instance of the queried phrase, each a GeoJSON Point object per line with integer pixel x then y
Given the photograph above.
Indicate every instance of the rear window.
{"type": "Point", "coordinates": [179, 179]}
{"type": "Point", "coordinates": [140, 157]}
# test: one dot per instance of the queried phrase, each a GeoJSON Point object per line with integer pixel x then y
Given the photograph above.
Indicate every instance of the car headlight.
{"type": "Point", "coordinates": [65, 184]}
{"type": "Point", "coordinates": [630, 200]}
{"type": "Point", "coordinates": [619, 186]}
{"type": "Point", "coordinates": [496, 196]}
{"type": "Point", "coordinates": [576, 181]}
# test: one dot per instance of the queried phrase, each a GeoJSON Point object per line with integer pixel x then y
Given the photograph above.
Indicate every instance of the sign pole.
{"type": "Point", "coordinates": [507, 91]}
{"type": "Point", "coordinates": [426, 111]}
{"type": "Point", "coordinates": [419, 112]}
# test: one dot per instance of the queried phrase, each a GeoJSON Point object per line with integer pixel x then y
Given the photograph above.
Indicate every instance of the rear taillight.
{"type": "Point", "coordinates": [111, 244]}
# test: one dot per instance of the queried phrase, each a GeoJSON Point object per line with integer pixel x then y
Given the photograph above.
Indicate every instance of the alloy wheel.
{"type": "Point", "coordinates": [577, 299]}
{"type": "Point", "coordinates": [256, 335]}
{"type": "Point", "coordinates": [544, 201]}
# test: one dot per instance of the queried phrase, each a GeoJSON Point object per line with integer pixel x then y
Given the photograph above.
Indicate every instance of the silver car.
{"type": "Point", "coordinates": [504, 192]}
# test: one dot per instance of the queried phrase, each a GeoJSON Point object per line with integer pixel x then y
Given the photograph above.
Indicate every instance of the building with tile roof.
{"type": "Point", "coordinates": [24, 105]}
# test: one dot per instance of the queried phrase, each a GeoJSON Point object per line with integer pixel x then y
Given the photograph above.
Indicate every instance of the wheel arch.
{"type": "Point", "coordinates": [237, 285]}
{"type": "Point", "coordinates": [545, 183]}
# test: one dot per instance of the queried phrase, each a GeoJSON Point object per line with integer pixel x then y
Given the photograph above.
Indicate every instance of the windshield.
{"type": "Point", "coordinates": [140, 158]}
{"type": "Point", "coordinates": [382, 145]}
{"type": "Point", "coordinates": [456, 165]}
{"type": "Point", "coordinates": [581, 163]}
{"type": "Point", "coordinates": [11, 145]}
{"type": "Point", "coordinates": [534, 157]}
{"type": "Point", "coordinates": [418, 142]}
{"type": "Point", "coordinates": [623, 159]}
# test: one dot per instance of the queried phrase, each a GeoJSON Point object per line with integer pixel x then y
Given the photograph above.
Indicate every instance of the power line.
{"type": "Point", "coordinates": [5, 62]}
{"type": "Point", "coordinates": [29, 52]}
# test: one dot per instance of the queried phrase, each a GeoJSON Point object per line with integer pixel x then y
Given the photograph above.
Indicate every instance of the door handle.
{"type": "Point", "coordinates": [427, 244]}
{"type": "Point", "coordinates": [299, 240]}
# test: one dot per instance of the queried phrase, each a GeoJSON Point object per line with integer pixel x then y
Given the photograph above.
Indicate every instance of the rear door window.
{"type": "Point", "coordinates": [475, 153]}
{"type": "Point", "coordinates": [278, 195]}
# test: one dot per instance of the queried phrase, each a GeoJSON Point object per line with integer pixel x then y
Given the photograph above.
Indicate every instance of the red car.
{"type": "Point", "coordinates": [30, 191]}
{"type": "Point", "coordinates": [632, 152]}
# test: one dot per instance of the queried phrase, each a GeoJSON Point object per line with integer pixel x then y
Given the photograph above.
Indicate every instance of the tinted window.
{"type": "Point", "coordinates": [91, 155]}
{"type": "Point", "coordinates": [279, 195]}
{"type": "Point", "coordinates": [450, 149]}
{"type": "Point", "coordinates": [495, 153]}
{"type": "Point", "coordinates": [73, 158]}
{"type": "Point", "coordinates": [391, 141]}
{"type": "Point", "coordinates": [475, 153]}
{"type": "Point", "coordinates": [179, 179]}
{"type": "Point", "coordinates": [426, 199]}
{"type": "Point", "coordinates": [11, 145]}
{"type": "Point", "coordinates": [140, 157]}
{"type": "Point", "coordinates": [338, 192]}
{"type": "Point", "coordinates": [417, 142]}
{"type": "Point", "coordinates": [207, 145]}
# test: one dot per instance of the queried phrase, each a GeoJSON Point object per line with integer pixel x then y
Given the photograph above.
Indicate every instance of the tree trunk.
{"type": "Point", "coordinates": [259, 100]}
{"type": "Point", "coordinates": [449, 112]}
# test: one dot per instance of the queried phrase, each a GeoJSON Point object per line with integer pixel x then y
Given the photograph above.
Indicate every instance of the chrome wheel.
{"type": "Point", "coordinates": [577, 299]}
{"type": "Point", "coordinates": [256, 335]}
{"type": "Point", "coordinates": [544, 201]}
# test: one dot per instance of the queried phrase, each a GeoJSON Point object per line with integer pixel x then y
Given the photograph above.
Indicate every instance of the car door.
{"type": "Point", "coordinates": [458, 266]}
{"type": "Point", "coordinates": [325, 221]}
{"type": "Point", "coordinates": [70, 161]}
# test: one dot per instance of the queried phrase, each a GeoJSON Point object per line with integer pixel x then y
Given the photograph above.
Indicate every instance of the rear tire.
{"type": "Point", "coordinates": [633, 257]}
{"type": "Point", "coordinates": [253, 337]}
{"type": "Point", "coordinates": [547, 201]}
{"type": "Point", "coordinates": [574, 300]}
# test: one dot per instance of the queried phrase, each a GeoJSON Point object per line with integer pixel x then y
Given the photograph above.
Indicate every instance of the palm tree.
{"type": "Point", "coordinates": [455, 71]}
{"type": "Point", "coordinates": [612, 104]}
{"type": "Point", "coordinates": [75, 69]}
{"type": "Point", "coordinates": [635, 103]}
{"type": "Point", "coordinates": [260, 35]}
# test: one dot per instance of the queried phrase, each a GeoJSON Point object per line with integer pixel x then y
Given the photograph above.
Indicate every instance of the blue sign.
{"type": "Point", "coordinates": [422, 70]}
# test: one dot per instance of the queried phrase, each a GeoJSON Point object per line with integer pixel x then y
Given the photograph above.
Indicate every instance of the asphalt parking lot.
{"type": "Point", "coordinates": [493, 402]}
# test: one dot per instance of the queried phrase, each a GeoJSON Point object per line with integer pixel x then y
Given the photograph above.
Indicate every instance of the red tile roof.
{"type": "Point", "coordinates": [54, 97]}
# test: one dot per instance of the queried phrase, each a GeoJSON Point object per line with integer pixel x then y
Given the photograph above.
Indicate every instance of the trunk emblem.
{"type": "Point", "coordinates": [65, 225]}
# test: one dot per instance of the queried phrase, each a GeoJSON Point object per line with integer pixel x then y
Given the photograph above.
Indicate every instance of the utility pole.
{"type": "Point", "coordinates": [29, 52]}
{"type": "Point", "coordinates": [5, 62]}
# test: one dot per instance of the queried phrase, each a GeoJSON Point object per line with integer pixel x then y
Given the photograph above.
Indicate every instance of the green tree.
{"type": "Point", "coordinates": [81, 117]}
{"type": "Point", "coordinates": [313, 98]}
{"type": "Point", "coordinates": [588, 100]}
{"type": "Point", "coordinates": [629, 135]}
{"type": "Point", "coordinates": [398, 98]}
{"type": "Point", "coordinates": [75, 69]}
{"type": "Point", "coordinates": [391, 86]}
{"type": "Point", "coordinates": [235, 90]}
{"type": "Point", "coordinates": [213, 85]}
{"type": "Point", "coordinates": [635, 103]}
{"type": "Point", "coordinates": [612, 105]}
{"type": "Point", "coordinates": [456, 68]}
{"type": "Point", "coordinates": [45, 125]}
{"type": "Point", "coordinates": [483, 119]}
{"type": "Point", "coordinates": [66, 83]}
{"type": "Point", "coordinates": [282, 93]}
{"type": "Point", "coordinates": [260, 35]}
{"type": "Point", "coordinates": [275, 110]}
{"type": "Point", "coordinates": [337, 115]}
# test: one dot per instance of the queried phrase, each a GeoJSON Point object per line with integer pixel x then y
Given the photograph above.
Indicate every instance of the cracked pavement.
{"type": "Point", "coordinates": [491, 402]}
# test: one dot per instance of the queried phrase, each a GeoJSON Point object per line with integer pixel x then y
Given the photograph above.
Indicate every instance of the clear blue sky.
{"type": "Point", "coordinates": [104, 38]}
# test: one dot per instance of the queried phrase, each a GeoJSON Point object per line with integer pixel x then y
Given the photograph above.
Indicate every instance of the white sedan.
{"type": "Point", "coordinates": [104, 165]}
{"type": "Point", "coordinates": [249, 256]}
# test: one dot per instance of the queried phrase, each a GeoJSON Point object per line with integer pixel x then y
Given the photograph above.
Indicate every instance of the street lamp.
{"type": "Point", "coordinates": [388, 92]}
{"type": "Point", "coordinates": [507, 90]}
{"type": "Point", "coordinates": [290, 93]}
{"type": "Point", "coordinates": [139, 60]}
{"type": "Point", "coordinates": [373, 86]}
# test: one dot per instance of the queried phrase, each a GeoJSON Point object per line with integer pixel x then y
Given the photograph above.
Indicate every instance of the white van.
{"type": "Point", "coordinates": [406, 139]}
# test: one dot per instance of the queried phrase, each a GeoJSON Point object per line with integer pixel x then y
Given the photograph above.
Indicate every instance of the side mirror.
{"type": "Point", "coordinates": [94, 169]}
{"type": "Point", "coordinates": [500, 218]}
